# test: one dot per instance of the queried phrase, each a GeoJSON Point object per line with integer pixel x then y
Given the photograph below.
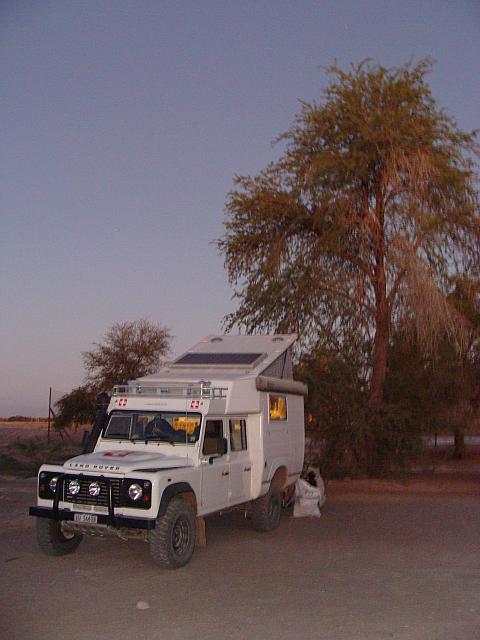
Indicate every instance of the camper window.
{"type": "Point", "coordinates": [277, 407]}
{"type": "Point", "coordinates": [238, 435]}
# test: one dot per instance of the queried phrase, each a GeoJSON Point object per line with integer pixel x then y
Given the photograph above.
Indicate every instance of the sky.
{"type": "Point", "coordinates": [123, 124]}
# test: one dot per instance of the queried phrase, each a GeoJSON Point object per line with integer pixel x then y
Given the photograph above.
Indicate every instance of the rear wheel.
{"type": "Point", "coordinates": [267, 509]}
{"type": "Point", "coordinates": [172, 542]}
{"type": "Point", "coordinates": [53, 540]}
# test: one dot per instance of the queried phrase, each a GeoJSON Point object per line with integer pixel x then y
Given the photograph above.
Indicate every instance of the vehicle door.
{"type": "Point", "coordinates": [240, 463]}
{"type": "Point", "coordinates": [215, 467]}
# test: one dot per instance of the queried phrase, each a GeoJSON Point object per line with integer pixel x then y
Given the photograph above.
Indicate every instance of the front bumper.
{"type": "Point", "coordinates": [118, 522]}
{"type": "Point", "coordinates": [111, 518]}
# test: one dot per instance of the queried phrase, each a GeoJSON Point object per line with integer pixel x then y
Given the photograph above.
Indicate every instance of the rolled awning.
{"type": "Point", "coordinates": [280, 385]}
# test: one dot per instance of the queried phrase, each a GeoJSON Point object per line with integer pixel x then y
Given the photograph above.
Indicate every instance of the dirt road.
{"type": "Point", "coordinates": [374, 566]}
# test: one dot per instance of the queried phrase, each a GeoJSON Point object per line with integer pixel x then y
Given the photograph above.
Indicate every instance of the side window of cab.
{"type": "Point", "coordinates": [213, 433]}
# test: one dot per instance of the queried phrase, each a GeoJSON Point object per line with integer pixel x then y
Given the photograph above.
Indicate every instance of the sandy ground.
{"type": "Point", "coordinates": [386, 560]}
{"type": "Point", "coordinates": [375, 566]}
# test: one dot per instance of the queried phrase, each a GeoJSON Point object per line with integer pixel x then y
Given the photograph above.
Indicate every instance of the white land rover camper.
{"type": "Point", "coordinates": [221, 426]}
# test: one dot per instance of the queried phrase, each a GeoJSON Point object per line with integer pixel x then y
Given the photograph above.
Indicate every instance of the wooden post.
{"type": "Point", "coordinates": [49, 414]}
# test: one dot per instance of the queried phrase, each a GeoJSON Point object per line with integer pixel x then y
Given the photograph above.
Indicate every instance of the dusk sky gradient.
{"type": "Point", "coordinates": [123, 125]}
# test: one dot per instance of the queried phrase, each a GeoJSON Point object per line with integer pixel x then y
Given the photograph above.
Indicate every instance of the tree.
{"type": "Point", "coordinates": [129, 350]}
{"type": "Point", "coordinates": [76, 407]}
{"type": "Point", "coordinates": [359, 226]}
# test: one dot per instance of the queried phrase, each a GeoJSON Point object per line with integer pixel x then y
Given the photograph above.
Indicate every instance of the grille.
{"type": "Point", "coordinates": [83, 496]}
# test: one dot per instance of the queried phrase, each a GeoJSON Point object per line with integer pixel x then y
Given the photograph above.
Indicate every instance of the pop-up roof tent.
{"type": "Point", "coordinates": [241, 365]}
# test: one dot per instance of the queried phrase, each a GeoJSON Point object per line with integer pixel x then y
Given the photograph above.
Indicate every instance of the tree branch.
{"type": "Point", "coordinates": [347, 296]}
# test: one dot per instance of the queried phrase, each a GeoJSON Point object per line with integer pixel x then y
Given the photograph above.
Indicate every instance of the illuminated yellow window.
{"type": "Point", "coordinates": [277, 407]}
{"type": "Point", "coordinates": [188, 424]}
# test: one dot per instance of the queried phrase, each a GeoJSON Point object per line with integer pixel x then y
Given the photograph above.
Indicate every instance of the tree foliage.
{"type": "Point", "coordinates": [441, 389]}
{"type": "Point", "coordinates": [360, 225]}
{"type": "Point", "coordinates": [129, 350]}
{"type": "Point", "coordinates": [346, 437]}
{"type": "Point", "coordinates": [76, 407]}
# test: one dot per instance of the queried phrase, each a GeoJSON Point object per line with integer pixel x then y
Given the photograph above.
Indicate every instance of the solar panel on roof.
{"type": "Point", "coordinates": [219, 358]}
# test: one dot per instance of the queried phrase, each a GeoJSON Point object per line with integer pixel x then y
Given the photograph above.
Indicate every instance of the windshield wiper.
{"type": "Point", "coordinates": [160, 439]}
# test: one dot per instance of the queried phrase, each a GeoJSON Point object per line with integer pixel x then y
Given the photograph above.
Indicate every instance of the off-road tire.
{"type": "Point", "coordinates": [172, 542]}
{"type": "Point", "coordinates": [267, 509]}
{"type": "Point", "coordinates": [53, 541]}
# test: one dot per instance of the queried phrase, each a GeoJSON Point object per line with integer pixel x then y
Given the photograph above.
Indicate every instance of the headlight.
{"type": "Point", "coordinates": [53, 484]}
{"type": "Point", "coordinates": [135, 491]}
{"type": "Point", "coordinates": [94, 489]}
{"type": "Point", "coordinates": [73, 487]}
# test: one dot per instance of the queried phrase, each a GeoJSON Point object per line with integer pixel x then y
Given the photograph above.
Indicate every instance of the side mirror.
{"type": "Point", "coordinates": [222, 446]}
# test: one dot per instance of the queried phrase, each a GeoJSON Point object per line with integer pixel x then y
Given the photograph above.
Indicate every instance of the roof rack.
{"type": "Point", "coordinates": [200, 390]}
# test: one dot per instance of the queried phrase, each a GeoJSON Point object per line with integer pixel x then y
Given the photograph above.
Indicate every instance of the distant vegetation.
{"type": "Point", "coordinates": [22, 419]}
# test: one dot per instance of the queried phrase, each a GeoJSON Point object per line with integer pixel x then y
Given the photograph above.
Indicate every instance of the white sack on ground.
{"type": "Point", "coordinates": [314, 478]}
{"type": "Point", "coordinates": [307, 499]}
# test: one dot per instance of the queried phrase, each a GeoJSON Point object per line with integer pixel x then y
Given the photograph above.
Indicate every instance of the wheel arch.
{"type": "Point", "coordinates": [179, 489]}
{"type": "Point", "coordinates": [280, 477]}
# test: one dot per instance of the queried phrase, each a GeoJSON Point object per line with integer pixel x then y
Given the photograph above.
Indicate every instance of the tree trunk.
{"type": "Point", "coordinates": [459, 449]}
{"type": "Point", "coordinates": [382, 333]}
{"type": "Point", "coordinates": [379, 364]}
{"type": "Point", "coordinates": [382, 315]}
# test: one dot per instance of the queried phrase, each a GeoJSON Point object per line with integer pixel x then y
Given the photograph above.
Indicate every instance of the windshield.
{"type": "Point", "coordinates": [160, 426]}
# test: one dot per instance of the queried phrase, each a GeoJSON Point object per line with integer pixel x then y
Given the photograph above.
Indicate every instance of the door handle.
{"type": "Point", "coordinates": [248, 469]}
{"type": "Point", "coordinates": [226, 473]}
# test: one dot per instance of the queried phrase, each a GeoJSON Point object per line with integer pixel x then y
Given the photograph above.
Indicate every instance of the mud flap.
{"type": "Point", "coordinates": [201, 532]}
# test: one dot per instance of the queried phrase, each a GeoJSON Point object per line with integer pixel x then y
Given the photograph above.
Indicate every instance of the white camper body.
{"type": "Point", "coordinates": [221, 426]}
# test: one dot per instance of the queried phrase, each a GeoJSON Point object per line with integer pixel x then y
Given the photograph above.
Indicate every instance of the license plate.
{"type": "Point", "coordinates": [86, 518]}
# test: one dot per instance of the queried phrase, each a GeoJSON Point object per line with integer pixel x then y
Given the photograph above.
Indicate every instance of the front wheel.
{"type": "Point", "coordinates": [266, 510]}
{"type": "Point", "coordinates": [53, 540]}
{"type": "Point", "coordinates": [172, 542]}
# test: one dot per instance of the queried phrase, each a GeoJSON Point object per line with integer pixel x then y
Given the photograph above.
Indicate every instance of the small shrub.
{"type": "Point", "coordinates": [394, 439]}
{"type": "Point", "coordinates": [359, 442]}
